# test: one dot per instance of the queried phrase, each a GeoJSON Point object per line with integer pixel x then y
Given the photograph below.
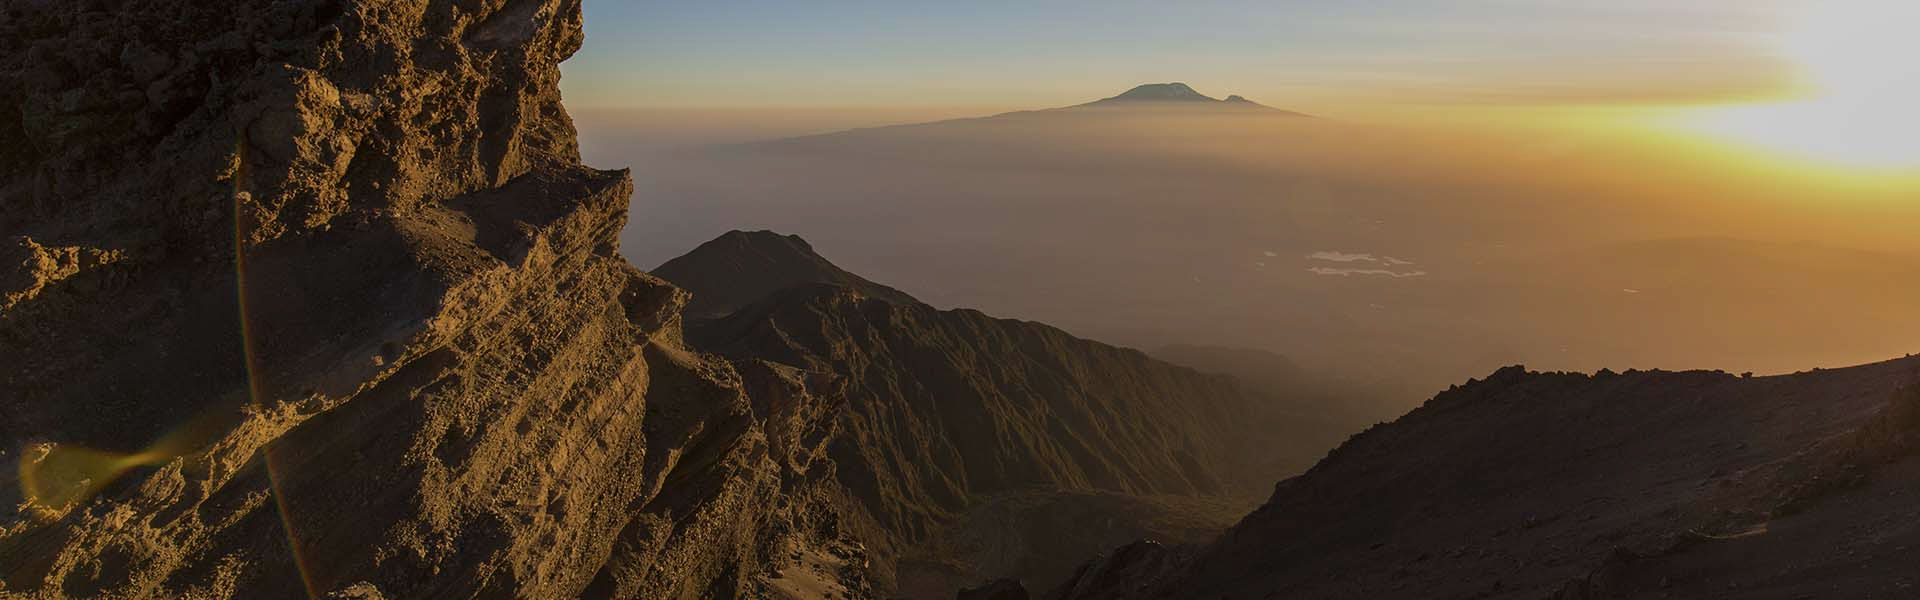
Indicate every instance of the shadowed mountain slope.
{"type": "Point", "coordinates": [948, 413]}
{"type": "Point", "coordinates": [1533, 485]}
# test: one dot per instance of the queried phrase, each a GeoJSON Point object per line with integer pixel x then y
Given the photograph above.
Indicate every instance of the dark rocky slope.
{"type": "Point", "coordinates": [1635, 485]}
{"type": "Point", "coordinates": [305, 297]}
{"type": "Point", "coordinates": [976, 446]}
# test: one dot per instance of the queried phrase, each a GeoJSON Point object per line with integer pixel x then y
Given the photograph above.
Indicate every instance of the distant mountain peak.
{"type": "Point", "coordinates": [766, 240]}
{"type": "Point", "coordinates": [1177, 94]}
{"type": "Point", "coordinates": [1164, 92]}
{"type": "Point", "coordinates": [741, 267]}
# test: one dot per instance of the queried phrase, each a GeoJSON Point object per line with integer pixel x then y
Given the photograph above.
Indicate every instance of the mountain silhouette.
{"type": "Point", "coordinates": [1176, 94]}
{"type": "Point", "coordinates": [1148, 104]}
{"type": "Point", "coordinates": [740, 267]}
{"type": "Point", "coordinates": [1161, 92]}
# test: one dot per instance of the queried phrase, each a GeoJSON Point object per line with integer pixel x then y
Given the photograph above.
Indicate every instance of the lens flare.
{"type": "Point", "coordinates": [256, 392]}
{"type": "Point", "coordinates": [1856, 61]}
{"type": "Point", "coordinates": [55, 478]}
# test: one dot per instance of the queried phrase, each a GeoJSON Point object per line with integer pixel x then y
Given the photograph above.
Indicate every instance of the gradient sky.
{"type": "Point", "coordinates": [1313, 55]}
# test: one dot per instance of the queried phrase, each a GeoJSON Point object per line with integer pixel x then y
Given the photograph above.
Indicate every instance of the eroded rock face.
{"type": "Point", "coordinates": [313, 298]}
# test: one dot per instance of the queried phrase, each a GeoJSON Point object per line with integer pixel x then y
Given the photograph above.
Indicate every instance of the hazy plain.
{"type": "Point", "coordinates": [1412, 254]}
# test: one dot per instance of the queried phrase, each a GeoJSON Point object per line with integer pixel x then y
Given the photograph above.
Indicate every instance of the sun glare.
{"type": "Point", "coordinates": [1860, 64]}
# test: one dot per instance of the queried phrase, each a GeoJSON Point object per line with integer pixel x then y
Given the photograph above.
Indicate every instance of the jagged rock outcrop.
{"type": "Point", "coordinates": [313, 298]}
{"type": "Point", "coordinates": [975, 447]}
{"type": "Point", "coordinates": [1634, 485]}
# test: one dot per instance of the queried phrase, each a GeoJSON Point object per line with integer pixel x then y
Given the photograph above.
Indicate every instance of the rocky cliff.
{"type": "Point", "coordinates": [1572, 486]}
{"type": "Point", "coordinates": [306, 297]}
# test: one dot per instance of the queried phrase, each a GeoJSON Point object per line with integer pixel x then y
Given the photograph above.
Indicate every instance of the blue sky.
{"type": "Point", "coordinates": [653, 54]}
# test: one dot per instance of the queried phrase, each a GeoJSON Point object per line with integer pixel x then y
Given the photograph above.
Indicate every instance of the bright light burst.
{"type": "Point", "coordinates": [1860, 60]}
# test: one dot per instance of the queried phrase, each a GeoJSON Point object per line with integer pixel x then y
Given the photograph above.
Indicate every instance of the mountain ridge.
{"type": "Point", "coordinates": [954, 421]}
{"type": "Point", "coordinates": [1580, 486]}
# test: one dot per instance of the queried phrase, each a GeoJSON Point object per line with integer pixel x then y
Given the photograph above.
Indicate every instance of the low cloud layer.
{"type": "Point", "coordinates": [1365, 272]}
{"type": "Point", "coordinates": [1336, 256]}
